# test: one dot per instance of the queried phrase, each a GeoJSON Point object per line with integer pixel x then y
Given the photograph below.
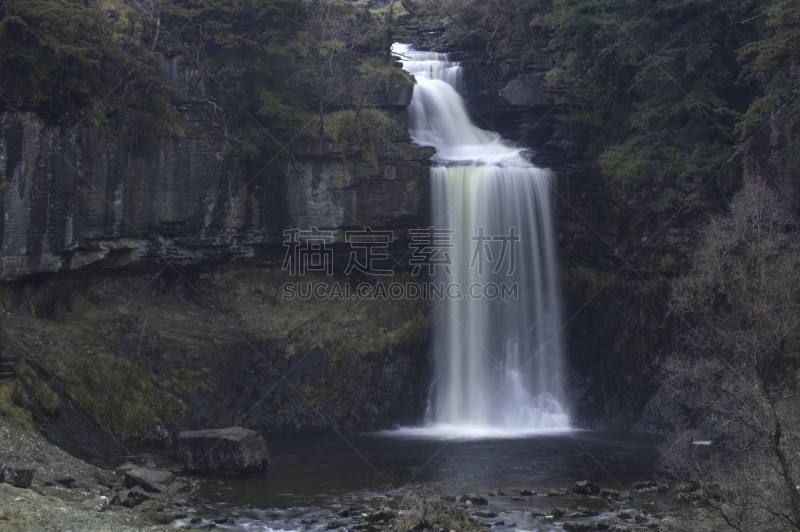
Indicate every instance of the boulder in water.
{"type": "Point", "coordinates": [231, 452]}
{"type": "Point", "coordinates": [615, 495]}
{"type": "Point", "coordinates": [385, 515]}
{"type": "Point", "coordinates": [584, 526]}
{"type": "Point", "coordinates": [632, 514]}
{"type": "Point", "coordinates": [585, 487]}
{"type": "Point", "coordinates": [582, 512]}
{"type": "Point", "coordinates": [473, 498]}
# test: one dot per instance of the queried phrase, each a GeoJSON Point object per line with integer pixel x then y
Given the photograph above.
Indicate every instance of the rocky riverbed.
{"type": "Point", "coordinates": [66, 493]}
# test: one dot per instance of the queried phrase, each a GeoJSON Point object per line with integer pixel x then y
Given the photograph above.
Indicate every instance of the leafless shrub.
{"type": "Point", "coordinates": [737, 364]}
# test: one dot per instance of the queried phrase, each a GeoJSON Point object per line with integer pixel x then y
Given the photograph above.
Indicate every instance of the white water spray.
{"type": "Point", "coordinates": [499, 366]}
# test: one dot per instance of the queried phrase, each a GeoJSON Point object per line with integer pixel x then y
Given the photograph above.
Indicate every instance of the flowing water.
{"type": "Point", "coordinates": [498, 355]}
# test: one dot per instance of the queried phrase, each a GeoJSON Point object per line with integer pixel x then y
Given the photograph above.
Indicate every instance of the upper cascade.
{"type": "Point", "coordinates": [439, 116]}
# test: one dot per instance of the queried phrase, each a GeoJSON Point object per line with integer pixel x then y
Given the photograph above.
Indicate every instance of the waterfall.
{"type": "Point", "coordinates": [498, 360]}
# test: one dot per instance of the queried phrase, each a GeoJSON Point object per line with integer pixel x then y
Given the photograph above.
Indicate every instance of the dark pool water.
{"type": "Point", "coordinates": [310, 476]}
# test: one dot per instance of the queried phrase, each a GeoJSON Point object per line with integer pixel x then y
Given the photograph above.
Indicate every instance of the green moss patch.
{"type": "Point", "coordinates": [313, 392]}
{"type": "Point", "coordinates": [115, 391]}
{"type": "Point", "coordinates": [12, 404]}
{"type": "Point", "coordinates": [187, 380]}
{"type": "Point", "coordinates": [405, 339]}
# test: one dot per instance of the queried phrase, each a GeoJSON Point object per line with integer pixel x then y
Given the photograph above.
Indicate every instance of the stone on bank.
{"type": "Point", "coordinates": [19, 476]}
{"type": "Point", "coordinates": [231, 452]}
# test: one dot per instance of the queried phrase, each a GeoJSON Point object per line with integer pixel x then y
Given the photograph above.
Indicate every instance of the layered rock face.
{"type": "Point", "coordinates": [74, 199]}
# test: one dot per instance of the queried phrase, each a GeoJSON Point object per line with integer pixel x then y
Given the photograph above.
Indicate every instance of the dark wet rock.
{"type": "Point", "coordinates": [150, 479]}
{"type": "Point", "coordinates": [649, 486]}
{"type": "Point", "coordinates": [615, 495]}
{"type": "Point", "coordinates": [619, 528]}
{"type": "Point", "coordinates": [164, 518]}
{"type": "Point", "coordinates": [518, 498]}
{"type": "Point", "coordinates": [107, 479]}
{"type": "Point", "coordinates": [96, 505]}
{"type": "Point", "coordinates": [485, 514]}
{"type": "Point", "coordinates": [132, 497]}
{"type": "Point", "coordinates": [584, 526]}
{"type": "Point", "coordinates": [561, 492]}
{"type": "Point", "coordinates": [67, 482]}
{"type": "Point", "coordinates": [333, 525]}
{"type": "Point", "coordinates": [20, 476]}
{"type": "Point", "coordinates": [176, 487]}
{"type": "Point", "coordinates": [223, 520]}
{"type": "Point", "coordinates": [632, 514]}
{"type": "Point", "coordinates": [308, 522]}
{"type": "Point", "coordinates": [473, 498]}
{"type": "Point", "coordinates": [449, 498]}
{"type": "Point", "coordinates": [582, 512]}
{"type": "Point", "coordinates": [550, 512]}
{"type": "Point", "coordinates": [585, 487]}
{"type": "Point", "coordinates": [348, 512]}
{"type": "Point", "coordinates": [234, 451]}
{"type": "Point", "coordinates": [527, 493]}
{"type": "Point", "coordinates": [382, 515]}
{"type": "Point", "coordinates": [124, 468]}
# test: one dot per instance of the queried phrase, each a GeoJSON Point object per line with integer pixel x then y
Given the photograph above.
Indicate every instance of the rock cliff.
{"type": "Point", "coordinates": [75, 199]}
{"type": "Point", "coordinates": [91, 230]}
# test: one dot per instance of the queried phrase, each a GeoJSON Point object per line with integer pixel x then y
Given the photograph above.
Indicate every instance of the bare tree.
{"type": "Point", "coordinates": [333, 31]}
{"type": "Point", "coordinates": [737, 364]}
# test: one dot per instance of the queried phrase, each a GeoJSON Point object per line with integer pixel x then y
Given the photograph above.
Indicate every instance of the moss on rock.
{"type": "Point", "coordinates": [114, 391]}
